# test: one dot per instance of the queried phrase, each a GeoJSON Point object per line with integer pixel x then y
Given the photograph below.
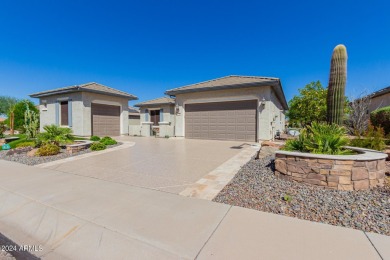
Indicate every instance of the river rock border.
{"type": "Point", "coordinates": [363, 171]}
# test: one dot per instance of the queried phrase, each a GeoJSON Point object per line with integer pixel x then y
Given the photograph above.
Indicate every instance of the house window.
{"type": "Point", "coordinates": [64, 113]}
{"type": "Point", "coordinates": [155, 116]}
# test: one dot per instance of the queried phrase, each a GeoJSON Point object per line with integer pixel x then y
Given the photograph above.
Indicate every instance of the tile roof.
{"type": "Point", "coordinates": [380, 92]}
{"type": "Point", "coordinates": [88, 87]}
{"type": "Point", "coordinates": [233, 82]}
{"type": "Point", "coordinates": [228, 81]}
{"type": "Point", "coordinates": [157, 101]}
{"type": "Point", "coordinates": [133, 110]}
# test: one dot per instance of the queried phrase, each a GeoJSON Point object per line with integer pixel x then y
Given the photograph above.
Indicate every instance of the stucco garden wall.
{"type": "Point", "coordinates": [265, 113]}
{"type": "Point", "coordinates": [349, 172]}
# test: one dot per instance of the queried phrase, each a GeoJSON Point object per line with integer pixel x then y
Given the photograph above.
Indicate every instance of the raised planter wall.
{"type": "Point", "coordinates": [74, 148]}
{"type": "Point", "coordinates": [344, 172]}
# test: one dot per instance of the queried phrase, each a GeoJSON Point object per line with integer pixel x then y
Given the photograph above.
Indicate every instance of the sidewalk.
{"type": "Point", "coordinates": [77, 217]}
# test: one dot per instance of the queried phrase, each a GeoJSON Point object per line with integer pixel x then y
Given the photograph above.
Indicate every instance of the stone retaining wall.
{"type": "Point", "coordinates": [74, 148]}
{"type": "Point", "coordinates": [331, 173]}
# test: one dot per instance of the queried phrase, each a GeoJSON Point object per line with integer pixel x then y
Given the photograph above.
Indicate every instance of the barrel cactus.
{"type": "Point", "coordinates": [336, 87]}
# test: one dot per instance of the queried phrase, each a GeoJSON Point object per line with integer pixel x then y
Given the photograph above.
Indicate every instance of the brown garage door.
{"type": "Point", "coordinates": [105, 120]}
{"type": "Point", "coordinates": [222, 120]}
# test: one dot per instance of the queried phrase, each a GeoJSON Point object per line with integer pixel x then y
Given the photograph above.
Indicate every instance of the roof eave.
{"type": "Point", "coordinates": [154, 104]}
{"type": "Point", "coordinates": [52, 93]}
{"type": "Point", "coordinates": [174, 92]}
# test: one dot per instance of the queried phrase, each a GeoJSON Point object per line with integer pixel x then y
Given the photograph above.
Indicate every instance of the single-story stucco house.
{"type": "Point", "coordinates": [242, 108]}
{"type": "Point", "coordinates": [379, 99]}
{"type": "Point", "coordinates": [89, 109]}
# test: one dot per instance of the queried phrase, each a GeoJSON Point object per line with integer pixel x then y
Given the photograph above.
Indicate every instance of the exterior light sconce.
{"type": "Point", "coordinates": [262, 102]}
{"type": "Point", "coordinates": [177, 110]}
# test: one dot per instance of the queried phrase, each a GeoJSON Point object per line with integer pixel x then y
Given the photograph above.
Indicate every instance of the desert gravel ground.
{"type": "Point", "coordinates": [255, 186]}
{"type": "Point", "coordinates": [34, 160]}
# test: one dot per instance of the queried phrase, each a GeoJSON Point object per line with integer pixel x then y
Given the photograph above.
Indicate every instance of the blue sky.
{"type": "Point", "coordinates": [146, 47]}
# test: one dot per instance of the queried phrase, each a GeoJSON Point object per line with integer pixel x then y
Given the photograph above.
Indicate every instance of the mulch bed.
{"type": "Point", "coordinates": [255, 186]}
{"type": "Point", "coordinates": [34, 160]}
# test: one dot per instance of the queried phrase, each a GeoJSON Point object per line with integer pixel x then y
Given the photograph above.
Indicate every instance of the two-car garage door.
{"type": "Point", "coordinates": [234, 120]}
{"type": "Point", "coordinates": [105, 120]}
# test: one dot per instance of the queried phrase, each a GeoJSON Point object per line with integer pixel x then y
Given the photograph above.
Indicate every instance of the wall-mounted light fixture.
{"type": "Point", "coordinates": [262, 102]}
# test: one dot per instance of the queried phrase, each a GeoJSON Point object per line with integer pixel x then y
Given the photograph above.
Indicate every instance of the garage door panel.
{"type": "Point", "coordinates": [222, 120]}
{"type": "Point", "coordinates": [105, 120]}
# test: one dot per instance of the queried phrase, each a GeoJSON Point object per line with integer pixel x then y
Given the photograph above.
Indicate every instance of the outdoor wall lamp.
{"type": "Point", "coordinates": [262, 102]}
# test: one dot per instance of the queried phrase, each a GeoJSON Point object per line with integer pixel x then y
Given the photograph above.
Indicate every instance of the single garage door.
{"type": "Point", "coordinates": [222, 120]}
{"type": "Point", "coordinates": [105, 120]}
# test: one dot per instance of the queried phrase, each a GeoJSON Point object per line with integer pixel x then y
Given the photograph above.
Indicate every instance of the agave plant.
{"type": "Point", "coordinates": [56, 135]}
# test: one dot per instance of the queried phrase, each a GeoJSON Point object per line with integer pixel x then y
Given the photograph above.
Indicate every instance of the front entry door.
{"type": "Point", "coordinates": [155, 116]}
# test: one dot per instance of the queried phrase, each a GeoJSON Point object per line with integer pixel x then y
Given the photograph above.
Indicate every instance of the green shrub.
{"type": "Point", "coordinates": [56, 135]}
{"type": "Point", "coordinates": [373, 138]}
{"type": "Point", "coordinates": [108, 140]}
{"type": "Point", "coordinates": [320, 138]}
{"type": "Point", "coordinates": [94, 138]}
{"type": "Point", "coordinates": [97, 146]}
{"type": "Point", "coordinates": [381, 118]}
{"type": "Point", "coordinates": [26, 143]}
{"type": "Point", "coordinates": [3, 127]}
{"type": "Point", "coordinates": [48, 149]}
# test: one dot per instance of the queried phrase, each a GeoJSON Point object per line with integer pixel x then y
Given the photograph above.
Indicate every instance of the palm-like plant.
{"type": "Point", "coordinates": [56, 135]}
{"type": "Point", "coordinates": [320, 138]}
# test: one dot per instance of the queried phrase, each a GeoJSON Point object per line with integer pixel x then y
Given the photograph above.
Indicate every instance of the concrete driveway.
{"type": "Point", "coordinates": [169, 165]}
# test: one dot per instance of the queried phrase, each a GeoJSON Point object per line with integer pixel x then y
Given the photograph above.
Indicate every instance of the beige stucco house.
{"type": "Point", "coordinates": [379, 99]}
{"type": "Point", "coordinates": [89, 109]}
{"type": "Point", "coordinates": [242, 108]}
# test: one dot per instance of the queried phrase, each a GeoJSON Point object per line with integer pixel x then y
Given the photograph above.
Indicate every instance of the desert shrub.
{"type": "Point", "coordinates": [108, 140]}
{"type": "Point", "coordinates": [48, 149]}
{"type": "Point", "coordinates": [94, 138]}
{"type": "Point", "coordinates": [320, 138]}
{"type": "Point", "coordinates": [381, 118]}
{"type": "Point", "coordinates": [373, 138]}
{"type": "Point", "coordinates": [25, 144]}
{"type": "Point", "coordinates": [56, 135]}
{"type": "Point", "coordinates": [97, 146]}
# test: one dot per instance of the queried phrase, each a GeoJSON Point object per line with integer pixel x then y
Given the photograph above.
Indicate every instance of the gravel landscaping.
{"type": "Point", "coordinates": [255, 186]}
{"type": "Point", "coordinates": [34, 160]}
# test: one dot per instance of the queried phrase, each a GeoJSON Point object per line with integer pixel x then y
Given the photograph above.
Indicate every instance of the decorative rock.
{"type": "Point", "coordinates": [32, 152]}
{"type": "Point", "coordinates": [281, 166]}
{"type": "Point", "coordinates": [359, 174]}
{"type": "Point", "coordinates": [361, 185]}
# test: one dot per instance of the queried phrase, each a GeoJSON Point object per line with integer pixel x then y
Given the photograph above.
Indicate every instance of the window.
{"type": "Point", "coordinates": [64, 113]}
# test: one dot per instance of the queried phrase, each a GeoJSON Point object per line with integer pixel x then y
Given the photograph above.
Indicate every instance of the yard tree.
{"type": "Point", "coordinates": [309, 106]}
{"type": "Point", "coordinates": [7, 106]}
{"type": "Point", "coordinates": [20, 109]}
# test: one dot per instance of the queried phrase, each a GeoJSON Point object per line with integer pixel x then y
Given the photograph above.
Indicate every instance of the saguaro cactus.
{"type": "Point", "coordinates": [336, 87]}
